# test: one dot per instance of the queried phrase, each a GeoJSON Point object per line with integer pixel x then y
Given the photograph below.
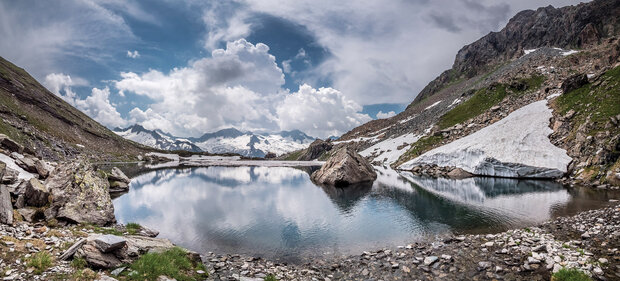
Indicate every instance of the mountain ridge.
{"type": "Point", "coordinates": [229, 140]}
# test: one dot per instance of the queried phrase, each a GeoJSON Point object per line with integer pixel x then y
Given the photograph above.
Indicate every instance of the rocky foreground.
{"type": "Point", "coordinates": [588, 241]}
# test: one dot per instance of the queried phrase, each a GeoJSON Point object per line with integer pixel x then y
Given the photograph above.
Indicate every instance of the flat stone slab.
{"type": "Point", "coordinates": [108, 243]}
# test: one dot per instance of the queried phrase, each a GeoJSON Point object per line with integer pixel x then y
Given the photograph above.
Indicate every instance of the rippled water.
{"type": "Point", "coordinates": [279, 213]}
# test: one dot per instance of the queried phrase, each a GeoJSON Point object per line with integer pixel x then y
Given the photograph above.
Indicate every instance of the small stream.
{"type": "Point", "coordinates": [277, 212]}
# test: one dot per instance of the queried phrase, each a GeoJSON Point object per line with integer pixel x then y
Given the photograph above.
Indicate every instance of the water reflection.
{"type": "Point", "coordinates": [278, 212]}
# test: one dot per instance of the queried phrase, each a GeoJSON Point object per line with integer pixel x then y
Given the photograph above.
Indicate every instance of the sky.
{"type": "Point", "coordinates": [189, 67]}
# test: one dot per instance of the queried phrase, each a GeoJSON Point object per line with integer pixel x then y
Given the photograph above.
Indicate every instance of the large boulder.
{"type": "Point", "coordinates": [315, 150]}
{"type": "Point", "coordinates": [36, 194]}
{"type": "Point", "coordinates": [345, 167]}
{"type": "Point", "coordinates": [574, 82]}
{"type": "Point", "coordinates": [27, 163]}
{"type": "Point", "coordinates": [6, 208]}
{"type": "Point", "coordinates": [79, 195]}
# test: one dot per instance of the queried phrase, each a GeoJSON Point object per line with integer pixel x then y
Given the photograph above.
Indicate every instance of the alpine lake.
{"type": "Point", "coordinates": [278, 213]}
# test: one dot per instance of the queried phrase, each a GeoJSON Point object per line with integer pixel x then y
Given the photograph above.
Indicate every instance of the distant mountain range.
{"type": "Point", "coordinates": [230, 140]}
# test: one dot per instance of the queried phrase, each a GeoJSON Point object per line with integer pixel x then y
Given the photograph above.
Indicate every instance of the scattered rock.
{"type": "Point", "coordinates": [6, 207]}
{"type": "Point", "coordinates": [459, 173]}
{"type": "Point", "coordinates": [96, 258]}
{"type": "Point", "coordinates": [430, 260]}
{"type": "Point", "coordinates": [345, 167]}
{"type": "Point", "coordinates": [36, 194]}
{"type": "Point", "coordinates": [28, 214]}
{"type": "Point", "coordinates": [108, 243]}
{"type": "Point", "coordinates": [10, 145]}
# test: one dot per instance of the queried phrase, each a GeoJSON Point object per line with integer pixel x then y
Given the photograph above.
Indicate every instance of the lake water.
{"type": "Point", "coordinates": [276, 212]}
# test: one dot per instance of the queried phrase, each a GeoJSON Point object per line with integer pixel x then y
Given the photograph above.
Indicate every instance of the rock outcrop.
{"type": "Point", "coordinates": [119, 182]}
{"type": "Point", "coordinates": [574, 82]}
{"type": "Point", "coordinates": [36, 194]}
{"type": "Point", "coordinates": [315, 150]}
{"type": "Point", "coordinates": [79, 195]}
{"type": "Point", "coordinates": [345, 167]}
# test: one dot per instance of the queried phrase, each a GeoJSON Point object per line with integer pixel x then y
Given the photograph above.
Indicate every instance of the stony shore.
{"type": "Point", "coordinates": [588, 241]}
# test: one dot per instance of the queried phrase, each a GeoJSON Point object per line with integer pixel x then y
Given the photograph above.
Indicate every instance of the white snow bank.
{"type": "Point", "coordinates": [433, 105]}
{"type": "Point", "coordinates": [516, 146]}
{"type": "Point", "coordinates": [387, 151]}
{"type": "Point", "coordinates": [527, 52]}
{"type": "Point", "coordinates": [569, 52]}
{"type": "Point", "coordinates": [10, 163]}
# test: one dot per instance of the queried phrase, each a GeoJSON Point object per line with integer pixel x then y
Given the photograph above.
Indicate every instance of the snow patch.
{"type": "Point", "coordinates": [529, 51]}
{"type": "Point", "coordinates": [10, 163]}
{"type": "Point", "coordinates": [516, 146]}
{"type": "Point", "coordinates": [569, 52]}
{"type": "Point", "coordinates": [455, 102]}
{"type": "Point", "coordinates": [387, 150]}
{"type": "Point", "coordinates": [433, 105]}
{"type": "Point", "coordinates": [407, 119]}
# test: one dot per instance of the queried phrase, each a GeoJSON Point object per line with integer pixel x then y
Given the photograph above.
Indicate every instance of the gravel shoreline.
{"type": "Point", "coordinates": [588, 241]}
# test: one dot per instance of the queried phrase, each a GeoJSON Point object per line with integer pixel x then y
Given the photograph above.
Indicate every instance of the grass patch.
{"type": "Point", "coordinates": [86, 274]}
{"type": "Point", "coordinates": [40, 261]}
{"type": "Point", "coordinates": [270, 277]}
{"type": "Point", "coordinates": [79, 263]}
{"type": "Point", "coordinates": [133, 228]}
{"type": "Point", "coordinates": [598, 102]}
{"type": "Point", "coordinates": [485, 98]}
{"type": "Point", "coordinates": [293, 156]}
{"type": "Point", "coordinates": [570, 274]}
{"type": "Point", "coordinates": [173, 263]}
{"type": "Point", "coordinates": [419, 147]}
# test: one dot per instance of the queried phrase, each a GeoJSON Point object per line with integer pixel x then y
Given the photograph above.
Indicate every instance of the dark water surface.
{"type": "Point", "coordinates": [278, 212]}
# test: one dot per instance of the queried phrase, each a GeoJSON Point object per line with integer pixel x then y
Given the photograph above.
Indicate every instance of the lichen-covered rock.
{"type": "Point", "coordinates": [79, 195]}
{"type": "Point", "coordinates": [6, 208]}
{"type": "Point", "coordinates": [42, 168]}
{"type": "Point", "coordinates": [118, 186]}
{"type": "Point", "coordinates": [36, 194]}
{"type": "Point", "coordinates": [28, 214]}
{"type": "Point", "coordinates": [345, 167]}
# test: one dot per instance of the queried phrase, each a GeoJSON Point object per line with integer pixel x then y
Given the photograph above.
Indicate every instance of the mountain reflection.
{"type": "Point", "coordinates": [278, 212]}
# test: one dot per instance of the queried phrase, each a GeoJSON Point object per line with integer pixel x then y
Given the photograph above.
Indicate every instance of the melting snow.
{"type": "Point", "coordinates": [387, 151]}
{"type": "Point", "coordinates": [569, 52]}
{"type": "Point", "coordinates": [10, 163]}
{"type": "Point", "coordinates": [516, 146]}
{"type": "Point", "coordinates": [527, 52]}
{"type": "Point", "coordinates": [456, 101]}
{"type": "Point", "coordinates": [433, 105]}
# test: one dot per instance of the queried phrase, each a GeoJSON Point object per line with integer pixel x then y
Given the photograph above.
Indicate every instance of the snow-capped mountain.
{"type": "Point", "coordinates": [223, 141]}
{"type": "Point", "coordinates": [156, 139]}
{"type": "Point", "coordinates": [253, 144]}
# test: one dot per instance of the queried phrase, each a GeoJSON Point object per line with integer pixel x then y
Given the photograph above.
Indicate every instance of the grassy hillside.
{"type": "Point", "coordinates": [51, 128]}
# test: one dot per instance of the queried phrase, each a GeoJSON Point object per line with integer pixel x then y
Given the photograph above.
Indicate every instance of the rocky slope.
{"type": "Point", "coordinates": [530, 60]}
{"type": "Point", "coordinates": [48, 127]}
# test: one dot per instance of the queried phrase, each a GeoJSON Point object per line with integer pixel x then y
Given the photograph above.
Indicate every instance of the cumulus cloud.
{"type": "Point", "coordinates": [321, 112]}
{"type": "Point", "coordinates": [98, 106]}
{"type": "Point", "coordinates": [239, 86]}
{"type": "Point", "coordinates": [133, 55]}
{"type": "Point", "coordinates": [388, 53]}
{"type": "Point", "coordinates": [383, 115]}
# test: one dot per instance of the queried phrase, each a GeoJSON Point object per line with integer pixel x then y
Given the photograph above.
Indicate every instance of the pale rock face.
{"type": "Point", "coordinates": [516, 146]}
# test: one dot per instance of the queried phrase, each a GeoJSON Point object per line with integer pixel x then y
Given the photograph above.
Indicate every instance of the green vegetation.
{"type": "Point", "coordinates": [485, 98]}
{"type": "Point", "coordinates": [270, 277]}
{"type": "Point", "coordinates": [173, 263]}
{"type": "Point", "coordinates": [419, 147]}
{"type": "Point", "coordinates": [133, 228]}
{"type": "Point", "coordinates": [598, 101]}
{"type": "Point", "coordinates": [571, 274]}
{"type": "Point", "coordinates": [293, 156]}
{"type": "Point", "coordinates": [79, 263]}
{"type": "Point", "coordinates": [40, 261]}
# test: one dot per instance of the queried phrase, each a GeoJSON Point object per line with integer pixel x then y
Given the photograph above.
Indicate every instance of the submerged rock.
{"type": "Point", "coordinates": [79, 195]}
{"type": "Point", "coordinates": [345, 167]}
